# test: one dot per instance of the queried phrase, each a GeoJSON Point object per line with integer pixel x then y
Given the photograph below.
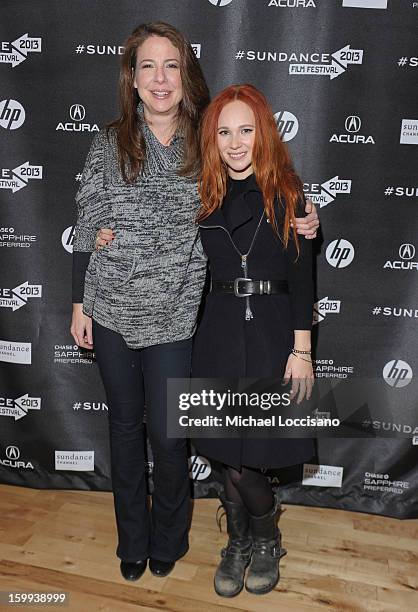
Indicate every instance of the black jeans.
{"type": "Point", "coordinates": [133, 379]}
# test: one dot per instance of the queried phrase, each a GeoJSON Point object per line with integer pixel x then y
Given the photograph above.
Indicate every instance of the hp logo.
{"type": "Point", "coordinates": [67, 239]}
{"type": "Point", "coordinates": [287, 124]}
{"type": "Point", "coordinates": [77, 112]}
{"type": "Point", "coordinates": [340, 253]}
{"type": "Point", "coordinates": [220, 2]}
{"type": "Point", "coordinates": [407, 251]}
{"type": "Point", "coordinates": [397, 373]}
{"type": "Point", "coordinates": [353, 124]}
{"type": "Point", "coordinates": [199, 468]}
{"type": "Point", "coordinates": [12, 452]}
{"type": "Point", "coordinates": [12, 114]}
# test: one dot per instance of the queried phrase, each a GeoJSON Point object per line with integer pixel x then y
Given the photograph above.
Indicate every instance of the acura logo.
{"type": "Point", "coordinates": [12, 452]}
{"type": "Point", "coordinates": [352, 123]}
{"type": "Point", "coordinates": [77, 112]}
{"type": "Point", "coordinates": [406, 251]}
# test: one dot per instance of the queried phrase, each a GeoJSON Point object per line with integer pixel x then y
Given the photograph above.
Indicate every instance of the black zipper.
{"type": "Point", "coordinates": [244, 256]}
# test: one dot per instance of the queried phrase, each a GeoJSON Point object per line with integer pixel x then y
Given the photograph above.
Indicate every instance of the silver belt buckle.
{"type": "Point", "coordinates": [265, 287]}
{"type": "Point", "coordinates": [236, 288]}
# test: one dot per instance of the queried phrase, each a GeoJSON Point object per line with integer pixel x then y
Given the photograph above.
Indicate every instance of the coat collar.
{"type": "Point", "coordinates": [240, 213]}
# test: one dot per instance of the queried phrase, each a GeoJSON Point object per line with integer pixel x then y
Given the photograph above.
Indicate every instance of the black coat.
{"type": "Point", "coordinates": [226, 344]}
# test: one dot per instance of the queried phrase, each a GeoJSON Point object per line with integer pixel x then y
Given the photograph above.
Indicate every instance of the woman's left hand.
{"type": "Point", "coordinates": [308, 226]}
{"type": "Point", "coordinates": [301, 373]}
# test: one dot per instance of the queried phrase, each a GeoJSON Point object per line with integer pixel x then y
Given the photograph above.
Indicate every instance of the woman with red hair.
{"type": "Point", "coordinates": [257, 317]}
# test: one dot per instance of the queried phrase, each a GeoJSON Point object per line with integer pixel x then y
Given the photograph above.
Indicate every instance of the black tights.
{"type": "Point", "coordinates": [248, 487]}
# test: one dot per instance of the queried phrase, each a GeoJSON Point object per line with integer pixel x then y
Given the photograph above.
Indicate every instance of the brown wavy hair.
{"type": "Point", "coordinates": [130, 141]}
{"type": "Point", "coordinates": [271, 160]}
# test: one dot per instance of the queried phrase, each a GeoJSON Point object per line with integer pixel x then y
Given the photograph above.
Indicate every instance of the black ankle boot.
{"type": "Point", "coordinates": [263, 573]}
{"type": "Point", "coordinates": [229, 577]}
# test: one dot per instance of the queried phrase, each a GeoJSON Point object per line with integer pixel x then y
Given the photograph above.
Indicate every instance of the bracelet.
{"type": "Point", "coordinates": [301, 352]}
{"type": "Point", "coordinates": [303, 358]}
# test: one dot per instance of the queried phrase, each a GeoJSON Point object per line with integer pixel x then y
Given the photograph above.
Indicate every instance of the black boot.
{"type": "Point", "coordinates": [263, 573]}
{"type": "Point", "coordinates": [229, 577]}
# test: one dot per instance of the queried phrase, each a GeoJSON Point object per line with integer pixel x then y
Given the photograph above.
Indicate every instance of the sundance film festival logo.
{"type": "Point", "coordinates": [352, 127]}
{"type": "Point", "coordinates": [92, 49]}
{"type": "Point", "coordinates": [325, 193]}
{"type": "Point", "coordinates": [197, 49]}
{"type": "Point", "coordinates": [12, 114]}
{"type": "Point", "coordinates": [370, 4]}
{"type": "Point", "coordinates": [90, 406]}
{"type": "Point", "coordinates": [19, 407]}
{"type": "Point", "coordinates": [77, 113]}
{"type": "Point", "coordinates": [199, 468]}
{"type": "Point", "coordinates": [409, 131]}
{"type": "Point", "coordinates": [401, 192]}
{"type": "Point", "coordinates": [13, 460]}
{"type": "Point", "coordinates": [16, 352]}
{"type": "Point", "coordinates": [395, 311]}
{"type": "Point", "coordinates": [325, 307]}
{"type": "Point", "coordinates": [18, 297]}
{"type": "Point", "coordinates": [287, 124]}
{"type": "Point", "coordinates": [67, 239]}
{"type": "Point", "coordinates": [340, 253]}
{"type": "Point", "coordinates": [16, 52]}
{"type": "Point", "coordinates": [18, 178]}
{"type": "Point", "coordinates": [315, 63]}
{"type": "Point", "coordinates": [390, 426]}
{"type": "Point", "coordinates": [397, 373]}
{"type": "Point", "coordinates": [406, 254]}
{"type": "Point", "coordinates": [408, 62]}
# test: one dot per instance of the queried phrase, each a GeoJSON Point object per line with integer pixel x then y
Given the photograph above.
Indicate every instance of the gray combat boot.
{"type": "Point", "coordinates": [263, 573]}
{"type": "Point", "coordinates": [229, 577]}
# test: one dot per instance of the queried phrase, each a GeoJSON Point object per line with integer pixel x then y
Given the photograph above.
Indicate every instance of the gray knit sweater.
{"type": "Point", "coordinates": [147, 284]}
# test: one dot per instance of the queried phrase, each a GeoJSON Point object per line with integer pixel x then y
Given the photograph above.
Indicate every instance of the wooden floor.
{"type": "Point", "coordinates": [65, 540]}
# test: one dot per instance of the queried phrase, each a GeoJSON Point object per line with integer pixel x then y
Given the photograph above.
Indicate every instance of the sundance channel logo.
{"type": "Point", "coordinates": [322, 475]}
{"type": "Point", "coordinates": [77, 461]}
{"type": "Point", "coordinates": [366, 4]}
{"type": "Point", "coordinates": [16, 352]}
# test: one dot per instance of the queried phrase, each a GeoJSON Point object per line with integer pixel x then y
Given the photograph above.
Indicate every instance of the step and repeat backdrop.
{"type": "Point", "coordinates": [341, 77]}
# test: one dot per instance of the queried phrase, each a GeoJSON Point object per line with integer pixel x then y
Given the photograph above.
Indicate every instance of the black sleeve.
{"type": "Point", "coordinates": [299, 275]}
{"type": "Point", "coordinates": [80, 262]}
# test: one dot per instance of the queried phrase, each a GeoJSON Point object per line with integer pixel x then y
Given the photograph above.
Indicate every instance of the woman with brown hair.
{"type": "Point", "coordinates": [257, 317]}
{"type": "Point", "coordinates": [138, 296]}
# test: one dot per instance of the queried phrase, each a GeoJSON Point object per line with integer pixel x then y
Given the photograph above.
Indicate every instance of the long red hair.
{"type": "Point", "coordinates": [271, 160]}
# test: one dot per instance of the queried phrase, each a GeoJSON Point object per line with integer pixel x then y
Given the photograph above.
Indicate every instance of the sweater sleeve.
{"type": "Point", "coordinates": [299, 275]}
{"type": "Point", "coordinates": [89, 205]}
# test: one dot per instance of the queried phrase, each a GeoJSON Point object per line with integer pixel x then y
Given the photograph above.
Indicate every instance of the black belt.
{"type": "Point", "coordinates": [243, 287]}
